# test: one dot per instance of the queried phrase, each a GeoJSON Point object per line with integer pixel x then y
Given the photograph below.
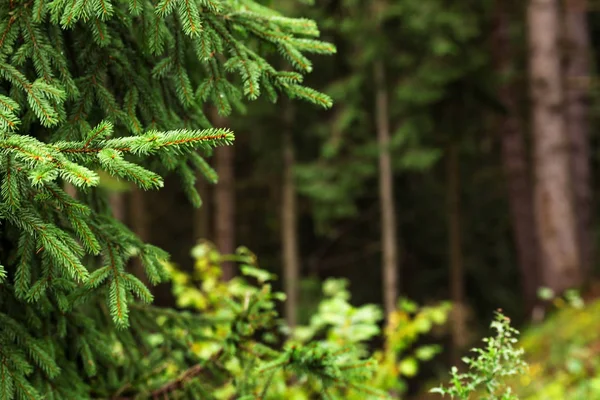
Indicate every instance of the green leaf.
{"type": "Point", "coordinates": [545, 293]}
{"type": "Point", "coordinates": [426, 353]}
{"type": "Point", "coordinates": [260, 275]}
{"type": "Point", "coordinates": [408, 367]}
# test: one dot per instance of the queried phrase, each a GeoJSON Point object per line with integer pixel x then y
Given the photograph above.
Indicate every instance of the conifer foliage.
{"type": "Point", "coordinates": [118, 87]}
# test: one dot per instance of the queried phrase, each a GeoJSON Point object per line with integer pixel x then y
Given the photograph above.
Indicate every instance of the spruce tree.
{"type": "Point", "coordinates": [93, 87]}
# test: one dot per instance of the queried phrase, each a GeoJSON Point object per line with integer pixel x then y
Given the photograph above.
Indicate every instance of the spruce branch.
{"type": "Point", "coordinates": [115, 86]}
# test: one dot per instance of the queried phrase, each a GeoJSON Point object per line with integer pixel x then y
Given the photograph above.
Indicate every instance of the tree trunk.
{"type": "Point", "coordinates": [202, 214]}
{"type": "Point", "coordinates": [289, 229]}
{"type": "Point", "coordinates": [555, 218]}
{"type": "Point", "coordinates": [457, 286]}
{"type": "Point", "coordinates": [116, 200]}
{"type": "Point", "coordinates": [70, 189]}
{"type": "Point", "coordinates": [515, 163]}
{"type": "Point", "coordinates": [224, 201]}
{"type": "Point", "coordinates": [386, 192]}
{"type": "Point", "coordinates": [170, 222]}
{"type": "Point", "coordinates": [577, 76]}
{"type": "Point", "coordinates": [139, 222]}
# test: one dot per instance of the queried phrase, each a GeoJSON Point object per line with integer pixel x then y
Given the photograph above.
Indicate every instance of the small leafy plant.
{"type": "Point", "coordinates": [241, 349]}
{"type": "Point", "coordinates": [488, 372]}
{"type": "Point", "coordinates": [337, 335]}
{"type": "Point", "coordinates": [336, 320]}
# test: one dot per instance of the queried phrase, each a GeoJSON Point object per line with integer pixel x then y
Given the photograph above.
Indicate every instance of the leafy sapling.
{"type": "Point", "coordinates": [487, 375]}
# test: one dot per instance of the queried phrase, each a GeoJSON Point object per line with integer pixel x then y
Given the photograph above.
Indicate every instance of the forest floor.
{"type": "Point", "coordinates": [563, 353]}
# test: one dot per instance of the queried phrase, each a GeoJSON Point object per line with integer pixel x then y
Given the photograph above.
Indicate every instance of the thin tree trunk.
{"type": "Point", "coordinates": [289, 228]}
{"type": "Point", "coordinates": [139, 222]}
{"type": "Point", "coordinates": [555, 218]}
{"type": "Point", "coordinates": [577, 76]}
{"type": "Point", "coordinates": [202, 214]}
{"type": "Point", "coordinates": [224, 202]}
{"type": "Point", "coordinates": [515, 163]}
{"type": "Point", "coordinates": [116, 200]}
{"type": "Point", "coordinates": [457, 286]}
{"type": "Point", "coordinates": [70, 189]}
{"type": "Point", "coordinates": [386, 192]}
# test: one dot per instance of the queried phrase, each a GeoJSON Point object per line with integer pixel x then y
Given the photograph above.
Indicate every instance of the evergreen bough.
{"type": "Point", "coordinates": [117, 87]}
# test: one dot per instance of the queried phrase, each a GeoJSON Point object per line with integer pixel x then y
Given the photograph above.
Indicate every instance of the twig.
{"type": "Point", "coordinates": [177, 383]}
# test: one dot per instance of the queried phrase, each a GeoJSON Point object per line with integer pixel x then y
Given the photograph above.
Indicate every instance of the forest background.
{"type": "Point", "coordinates": [458, 162]}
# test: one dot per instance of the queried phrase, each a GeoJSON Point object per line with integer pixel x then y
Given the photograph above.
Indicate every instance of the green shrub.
{"type": "Point", "coordinates": [242, 333]}
{"type": "Point", "coordinates": [338, 334]}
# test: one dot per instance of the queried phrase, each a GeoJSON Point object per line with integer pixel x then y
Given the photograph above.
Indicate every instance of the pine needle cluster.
{"type": "Point", "coordinates": [119, 87]}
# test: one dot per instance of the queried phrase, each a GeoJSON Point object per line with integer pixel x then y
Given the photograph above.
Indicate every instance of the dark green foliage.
{"type": "Point", "coordinates": [113, 86]}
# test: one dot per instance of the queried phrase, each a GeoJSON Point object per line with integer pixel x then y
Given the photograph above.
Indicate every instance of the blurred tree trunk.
{"type": "Point", "coordinates": [116, 200]}
{"type": "Point", "coordinates": [224, 201]}
{"type": "Point", "coordinates": [457, 286]}
{"type": "Point", "coordinates": [577, 74]}
{"type": "Point", "coordinates": [70, 189]}
{"type": "Point", "coordinates": [289, 228]}
{"type": "Point", "coordinates": [138, 219]}
{"type": "Point", "coordinates": [386, 191]}
{"type": "Point", "coordinates": [169, 216]}
{"type": "Point", "coordinates": [202, 214]}
{"type": "Point", "coordinates": [515, 162]}
{"type": "Point", "coordinates": [554, 212]}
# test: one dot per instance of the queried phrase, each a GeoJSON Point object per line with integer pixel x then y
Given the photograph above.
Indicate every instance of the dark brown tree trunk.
{"type": "Point", "coordinates": [139, 222]}
{"type": "Point", "coordinates": [170, 226]}
{"type": "Point", "coordinates": [553, 199]}
{"type": "Point", "coordinates": [386, 192]}
{"type": "Point", "coordinates": [577, 76]}
{"type": "Point", "coordinates": [515, 163]}
{"type": "Point", "coordinates": [457, 286]}
{"type": "Point", "coordinates": [224, 201]}
{"type": "Point", "coordinates": [289, 229]}
{"type": "Point", "coordinates": [202, 214]}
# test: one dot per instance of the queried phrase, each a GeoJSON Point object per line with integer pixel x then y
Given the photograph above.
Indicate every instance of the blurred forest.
{"type": "Point", "coordinates": [458, 163]}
